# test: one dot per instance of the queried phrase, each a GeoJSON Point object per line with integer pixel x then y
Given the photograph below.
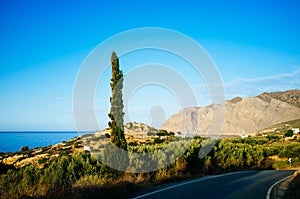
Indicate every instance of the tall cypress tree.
{"type": "Point", "coordinates": [116, 111]}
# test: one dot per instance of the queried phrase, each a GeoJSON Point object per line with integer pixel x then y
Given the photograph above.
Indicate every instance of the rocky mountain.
{"type": "Point", "coordinates": [291, 97]}
{"type": "Point", "coordinates": [239, 116]}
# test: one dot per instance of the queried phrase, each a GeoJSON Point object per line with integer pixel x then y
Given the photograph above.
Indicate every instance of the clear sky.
{"type": "Point", "coordinates": [255, 45]}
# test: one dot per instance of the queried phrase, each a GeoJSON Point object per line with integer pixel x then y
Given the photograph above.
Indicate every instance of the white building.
{"type": "Point", "coordinates": [295, 130]}
{"type": "Point", "coordinates": [87, 148]}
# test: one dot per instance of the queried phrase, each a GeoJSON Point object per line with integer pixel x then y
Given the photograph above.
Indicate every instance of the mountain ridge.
{"type": "Point", "coordinates": [242, 115]}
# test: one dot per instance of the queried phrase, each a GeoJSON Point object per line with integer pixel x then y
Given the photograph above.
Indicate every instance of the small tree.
{"type": "Point", "coordinates": [289, 133]}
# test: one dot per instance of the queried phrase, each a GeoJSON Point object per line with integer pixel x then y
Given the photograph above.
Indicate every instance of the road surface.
{"type": "Point", "coordinates": [247, 184]}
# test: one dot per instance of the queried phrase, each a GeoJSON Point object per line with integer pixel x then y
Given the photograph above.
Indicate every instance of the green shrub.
{"type": "Point", "coordinates": [157, 140]}
{"type": "Point", "coordinates": [171, 133]}
{"type": "Point", "coordinates": [290, 151]}
{"type": "Point", "coordinates": [132, 143]}
{"type": "Point", "coordinates": [273, 137]}
{"type": "Point", "coordinates": [289, 133]}
{"type": "Point", "coordinates": [197, 137]}
{"type": "Point", "coordinates": [43, 160]}
{"type": "Point", "coordinates": [162, 133]}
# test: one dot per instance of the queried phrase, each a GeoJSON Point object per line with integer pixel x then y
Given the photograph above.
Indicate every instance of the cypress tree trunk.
{"type": "Point", "coordinates": [116, 112]}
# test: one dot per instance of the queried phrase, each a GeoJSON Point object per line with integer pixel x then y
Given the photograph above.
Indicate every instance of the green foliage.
{"type": "Point", "coordinates": [132, 143]}
{"type": "Point", "coordinates": [290, 151]}
{"type": "Point", "coordinates": [116, 112]}
{"type": "Point", "coordinates": [171, 133]}
{"type": "Point", "coordinates": [4, 168]}
{"type": "Point", "coordinates": [289, 133]}
{"type": "Point", "coordinates": [54, 181]}
{"type": "Point", "coordinates": [157, 140]}
{"type": "Point", "coordinates": [242, 155]}
{"type": "Point", "coordinates": [197, 137]}
{"type": "Point", "coordinates": [273, 138]}
{"type": "Point", "coordinates": [43, 160]}
{"type": "Point", "coordinates": [107, 135]}
{"type": "Point", "coordinates": [69, 175]}
{"type": "Point", "coordinates": [162, 133]}
{"type": "Point", "coordinates": [251, 141]}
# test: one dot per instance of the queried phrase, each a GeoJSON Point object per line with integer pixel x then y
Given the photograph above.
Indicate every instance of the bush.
{"type": "Point", "coordinates": [162, 133]}
{"type": "Point", "coordinates": [4, 168]}
{"type": "Point", "coordinates": [43, 160]}
{"type": "Point", "coordinates": [171, 133]}
{"type": "Point", "coordinates": [132, 143]}
{"type": "Point", "coordinates": [197, 137]}
{"type": "Point", "coordinates": [273, 137]}
{"type": "Point", "coordinates": [289, 133]}
{"type": "Point", "coordinates": [157, 140]}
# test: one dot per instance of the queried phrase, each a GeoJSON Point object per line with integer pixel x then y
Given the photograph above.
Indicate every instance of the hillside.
{"type": "Point", "coordinates": [134, 133]}
{"type": "Point", "coordinates": [281, 128]}
{"type": "Point", "coordinates": [242, 115]}
{"type": "Point", "coordinates": [291, 96]}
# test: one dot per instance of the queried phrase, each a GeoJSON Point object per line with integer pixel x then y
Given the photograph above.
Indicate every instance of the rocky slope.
{"type": "Point", "coordinates": [241, 115]}
{"type": "Point", "coordinates": [291, 97]}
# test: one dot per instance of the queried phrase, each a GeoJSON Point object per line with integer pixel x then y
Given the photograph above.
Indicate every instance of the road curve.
{"type": "Point", "coordinates": [247, 184]}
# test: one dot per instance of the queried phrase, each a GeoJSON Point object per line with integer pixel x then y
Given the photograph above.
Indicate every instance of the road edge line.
{"type": "Point", "coordinates": [273, 185]}
{"type": "Point", "coordinates": [189, 182]}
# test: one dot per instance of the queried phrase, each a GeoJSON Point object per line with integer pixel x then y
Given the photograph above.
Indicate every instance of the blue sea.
{"type": "Point", "coordinates": [14, 141]}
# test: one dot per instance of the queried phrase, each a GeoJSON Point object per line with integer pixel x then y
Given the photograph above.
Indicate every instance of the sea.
{"type": "Point", "coordinates": [14, 141]}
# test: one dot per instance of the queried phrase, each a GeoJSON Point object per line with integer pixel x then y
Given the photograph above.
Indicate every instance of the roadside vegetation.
{"type": "Point", "coordinates": [81, 175]}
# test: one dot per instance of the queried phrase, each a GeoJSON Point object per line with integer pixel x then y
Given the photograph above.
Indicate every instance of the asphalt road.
{"type": "Point", "coordinates": [247, 184]}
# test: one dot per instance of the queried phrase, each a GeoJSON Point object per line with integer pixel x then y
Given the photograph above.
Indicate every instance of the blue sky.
{"type": "Point", "coordinates": [255, 45]}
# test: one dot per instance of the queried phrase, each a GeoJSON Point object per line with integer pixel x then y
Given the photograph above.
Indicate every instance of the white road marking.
{"type": "Point", "coordinates": [189, 182]}
{"type": "Point", "coordinates": [273, 185]}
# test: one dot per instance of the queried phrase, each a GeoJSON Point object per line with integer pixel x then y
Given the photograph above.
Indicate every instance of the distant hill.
{"type": "Point", "coordinates": [242, 115]}
{"type": "Point", "coordinates": [133, 131]}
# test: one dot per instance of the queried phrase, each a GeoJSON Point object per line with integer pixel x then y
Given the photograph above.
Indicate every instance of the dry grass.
{"type": "Point", "coordinates": [95, 187]}
{"type": "Point", "coordinates": [33, 157]}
